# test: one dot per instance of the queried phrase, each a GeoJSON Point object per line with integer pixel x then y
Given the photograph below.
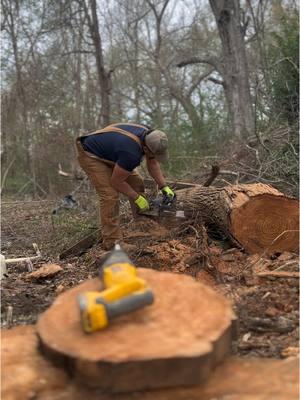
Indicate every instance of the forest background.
{"type": "Point", "coordinates": [220, 77]}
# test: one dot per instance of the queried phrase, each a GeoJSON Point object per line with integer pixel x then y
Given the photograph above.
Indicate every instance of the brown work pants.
{"type": "Point", "coordinates": [99, 173]}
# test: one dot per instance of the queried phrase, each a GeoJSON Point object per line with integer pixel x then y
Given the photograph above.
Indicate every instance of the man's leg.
{"type": "Point", "coordinates": [99, 174]}
{"type": "Point", "coordinates": [136, 182]}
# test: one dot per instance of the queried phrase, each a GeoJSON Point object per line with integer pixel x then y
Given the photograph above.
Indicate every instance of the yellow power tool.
{"type": "Point", "coordinates": [124, 292]}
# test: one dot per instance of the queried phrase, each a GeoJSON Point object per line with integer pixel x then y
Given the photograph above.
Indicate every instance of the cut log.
{"type": "Point", "coordinates": [257, 217]}
{"type": "Point", "coordinates": [176, 341]}
{"type": "Point", "coordinates": [26, 374]}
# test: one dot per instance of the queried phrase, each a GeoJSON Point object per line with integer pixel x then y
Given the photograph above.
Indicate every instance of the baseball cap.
{"type": "Point", "coordinates": [157, 142]}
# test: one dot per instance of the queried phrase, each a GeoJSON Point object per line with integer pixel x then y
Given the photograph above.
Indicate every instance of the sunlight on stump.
{"type": "Point", "coordinates": [256, 216]}
{"type": "Point", "coordinates": [176, 341]}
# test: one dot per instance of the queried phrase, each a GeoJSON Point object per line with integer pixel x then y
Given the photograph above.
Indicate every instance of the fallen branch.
{"type": "Point", "coordinates": [82, 245]}
{"type": "Point", "coordinates": [279, 274]}
{"type": "Point", "coordinates": [280, 325]}
{"type": "Point", "coordinates": [20, 259]}
{"type": "Point", "coordinates": [63, 173]}
{"type": "Point", "coordinates": [5, 261]}
{"type": "Point", "coordinates": [288, 264]}
{"type": "Point", "coordinates": [215, 169]}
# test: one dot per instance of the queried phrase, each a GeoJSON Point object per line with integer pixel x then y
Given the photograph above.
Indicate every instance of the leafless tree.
{"type": "Point", "coordinates": [231, 65]}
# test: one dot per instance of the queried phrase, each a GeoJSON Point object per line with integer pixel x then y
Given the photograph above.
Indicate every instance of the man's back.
{"type": "Point", "coordinates": [116, 147]}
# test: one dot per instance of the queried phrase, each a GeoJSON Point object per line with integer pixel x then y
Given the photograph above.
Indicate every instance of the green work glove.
{"type": "Point", "coordinates": [168, 192]}
{"type": "Point", "coordinates": [142, 203]}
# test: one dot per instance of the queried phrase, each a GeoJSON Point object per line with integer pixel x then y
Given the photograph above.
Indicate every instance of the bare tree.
{"type": "Point", "coordinates": [104, 75]}
{"type": "Point", "coordinates": [231, 65]}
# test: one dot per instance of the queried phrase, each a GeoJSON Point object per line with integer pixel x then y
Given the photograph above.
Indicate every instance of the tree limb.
{"type": "Point", "coordinates": [198, 60]}
{"type": "Point", "coordinates": [217, 81]}
{"type": "Point", "coordinates": [200, 78]}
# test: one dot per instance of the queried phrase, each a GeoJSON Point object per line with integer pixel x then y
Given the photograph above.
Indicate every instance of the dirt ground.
{"type": "Point", "coordinates": [267, 307]}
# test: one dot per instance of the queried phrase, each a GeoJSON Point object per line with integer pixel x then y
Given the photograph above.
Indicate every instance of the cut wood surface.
{"type": "Point", "coordinates": [256, 216]}
{"type": "Point", "coordinates": [27, 374]}
{"type": "Point", "coordinates": [176, 341]}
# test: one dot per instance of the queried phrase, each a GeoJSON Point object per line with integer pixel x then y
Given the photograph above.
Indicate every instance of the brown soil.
{"type": "Point", "coordinates": [267, 307]}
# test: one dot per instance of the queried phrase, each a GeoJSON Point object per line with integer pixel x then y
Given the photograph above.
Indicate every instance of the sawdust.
{"type": "Point", "coordinates": [144, 227]}
{"type": "Point", "coordinates": [171, 255]}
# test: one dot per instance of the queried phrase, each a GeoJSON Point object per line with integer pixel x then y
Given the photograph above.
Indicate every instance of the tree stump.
{"type": "Point", "coordinates": [258, 217]}
{"type": "Point", "coordinates": [176, 341]}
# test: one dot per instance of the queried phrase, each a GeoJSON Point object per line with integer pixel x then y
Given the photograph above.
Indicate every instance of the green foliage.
{"type": "Point", "coordinates": [187, 149]}
{"type": "Point", "coordinates": [15, 183]}
{"type": "Point", "coordinates": [284, 55]}
{"type": "Point", "coordinates": [72, 222]}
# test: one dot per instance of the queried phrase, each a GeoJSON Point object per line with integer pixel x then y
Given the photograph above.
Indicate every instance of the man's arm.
{"type": "Point", "coordinates": [155, 171]}
{"type": "Point", "coordinates": [118, 179]}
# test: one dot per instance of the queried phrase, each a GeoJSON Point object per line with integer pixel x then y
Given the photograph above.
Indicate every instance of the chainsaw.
{"type": "Point", "coordinates": [163, 206]}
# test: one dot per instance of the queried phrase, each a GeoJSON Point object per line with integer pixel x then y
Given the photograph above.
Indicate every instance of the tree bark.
{"type": "Point", "coordinates": [104, 76]}
{"type": "Point", "coordinates": [257, 217]}
{"type": "Point", "coordinates": [234, 67]}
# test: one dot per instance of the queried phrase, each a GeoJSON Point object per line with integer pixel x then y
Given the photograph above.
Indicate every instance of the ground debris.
{"type": "Point", "coordinates": [290, 352]}
{"type": "Point", "coordinates": [184, 250]}
{"type": "Point", "coordinates": [144, 227]}
{"type": "Point", "coordinates": [170, 255]}
{"type": "Point", "coordinates": [45, 271]}
{"type": "Point", "coordinates": [280, 324]}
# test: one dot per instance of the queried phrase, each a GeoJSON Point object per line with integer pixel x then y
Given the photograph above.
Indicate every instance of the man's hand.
{"type": "Point", "coordinates": [168, 193]}
{"type": "Point", "coordinates": [142, 203]}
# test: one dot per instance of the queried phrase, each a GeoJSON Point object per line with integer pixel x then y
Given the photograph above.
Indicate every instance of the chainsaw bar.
{"type": "Point", "coordinates": [160, 207]}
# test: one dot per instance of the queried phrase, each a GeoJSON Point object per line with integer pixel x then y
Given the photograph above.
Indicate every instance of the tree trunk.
{"type": "Point", "coordinates": [257, 217]}
{"type": "Point", "coordinates": [104, 77]}
{"type": "Point", "coordinates": [234, 67]}
{"type": "Point", "coordinates": [189, 108]}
